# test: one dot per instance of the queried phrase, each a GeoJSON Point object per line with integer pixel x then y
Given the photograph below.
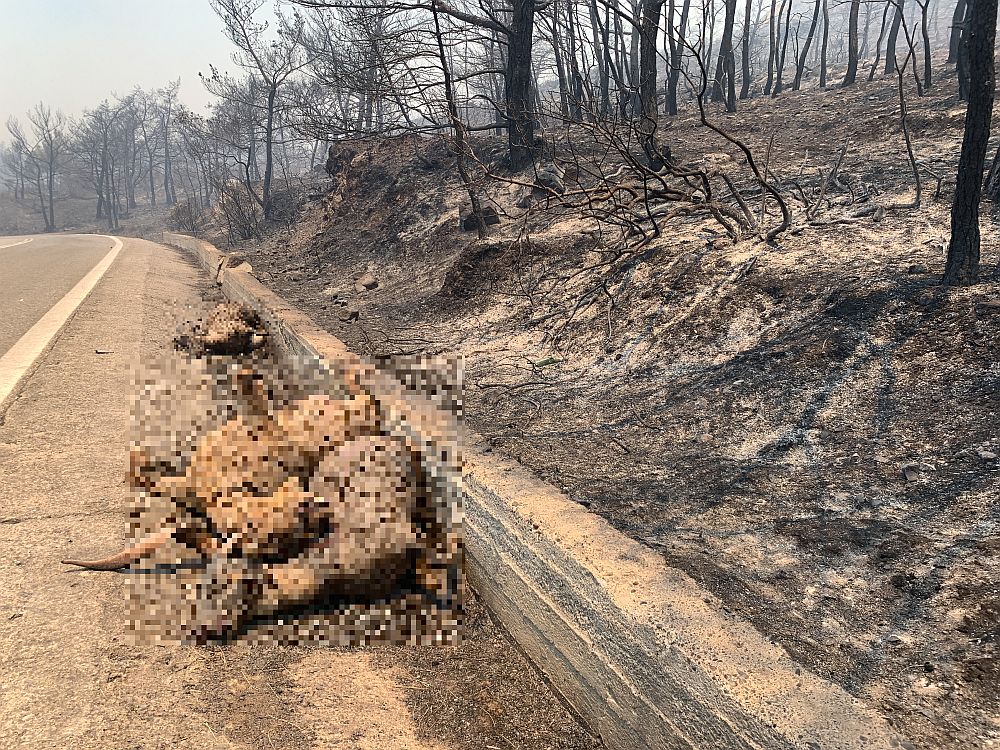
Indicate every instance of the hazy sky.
{"type": "Point", "coordinates": [72, 54]}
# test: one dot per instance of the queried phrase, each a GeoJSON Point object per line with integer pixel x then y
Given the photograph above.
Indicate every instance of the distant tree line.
{"type": "Point", "coordinates": [614, 70]}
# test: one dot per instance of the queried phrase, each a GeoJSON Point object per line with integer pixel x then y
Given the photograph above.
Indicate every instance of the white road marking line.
{"type": "Point", "coordinates": [22, 242]}
{"type": "Point", "coordinates": [16, 363]}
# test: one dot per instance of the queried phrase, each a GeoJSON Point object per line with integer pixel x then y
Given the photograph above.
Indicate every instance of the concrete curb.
{"type": "Point", "coordinates": [647, 657]}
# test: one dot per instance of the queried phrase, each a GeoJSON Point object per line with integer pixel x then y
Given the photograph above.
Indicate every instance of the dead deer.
{"type": "Point", "coordinates": [247, 467]}
{"type": "Point", "coordinates": [309, 500]}
{"type": "Point", "coordinates": [286, 505]}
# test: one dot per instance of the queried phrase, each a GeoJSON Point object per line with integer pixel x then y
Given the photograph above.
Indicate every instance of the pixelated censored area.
{"type": "Point", "coordinates": [307, 501]}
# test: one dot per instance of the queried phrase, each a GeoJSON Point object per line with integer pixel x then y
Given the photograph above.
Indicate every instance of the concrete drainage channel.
{"type": "Point", "coordinates": [644, 655]}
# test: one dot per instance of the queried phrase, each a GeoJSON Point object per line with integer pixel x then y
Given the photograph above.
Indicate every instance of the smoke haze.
{"type": "Point", "coordinates": [74, 54]}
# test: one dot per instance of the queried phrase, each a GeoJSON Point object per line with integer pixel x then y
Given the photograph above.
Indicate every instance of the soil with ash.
{"type": "Point", "coordinates": [480, 694]}
{"type": "Point", "coordinates": [808, 429]}
{"type": "Point", "coordinates": [485, 693]}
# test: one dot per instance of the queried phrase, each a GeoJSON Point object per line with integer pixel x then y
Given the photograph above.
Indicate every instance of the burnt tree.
{"type": "Point", "coordinates": [800, 65]}
{"type": "Point", "coordinates": [955, 36]}
{"type": "Point", "coordinates": [724, 86]}
{"type": "Point", "coordinates": [649, 24]}
{"type": "Point", "coordinates": [890, 45]}
{"type": "Point", "coordinates": [519, 83]}
{"type": "Point", "coordinates": [852, 44]}
{"type": "Point", "coordinates": [963, 249]}
{"type": "Point", "coordinates": [675, 40]}
{"type": "Point", "coordinates": [745, 87]}
{"type": "Point", "coordinates": [824, 45]}
{"type": "Point", "coordinates": [518, 86]}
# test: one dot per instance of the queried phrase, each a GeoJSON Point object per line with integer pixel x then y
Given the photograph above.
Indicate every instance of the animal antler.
{"type": "Point", "coordinates": [143, 548]}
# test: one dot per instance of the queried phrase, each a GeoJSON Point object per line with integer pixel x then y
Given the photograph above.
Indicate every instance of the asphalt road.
{"type": "Point", "coordinates": [35, 275]}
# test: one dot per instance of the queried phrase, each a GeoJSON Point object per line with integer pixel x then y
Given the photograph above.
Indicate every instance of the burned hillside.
{"type": "Point", "coordinates": [806, 427]}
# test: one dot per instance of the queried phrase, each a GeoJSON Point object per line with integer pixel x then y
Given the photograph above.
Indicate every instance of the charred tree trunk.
{"type": "Point", "coordinates": [993, 179]}
{"type": "Point", "coordinates": [925, 33]}
{"type": "Point", "coordinates": [852, 44]}
{"type": "Point", "coordinates": [267, 204]}
{"type": "Point", "coordinates": [634, 54]}
{"type": "Point", "coordinates": [878, 44]}
{"type": "Point", "coordinates": [955, 37]}
{"type": "Point", "coordinates": [778, 85]}
{"type": "Point", "coordinates": [724, 87]}
{"type": "Point", "coordinates": [708, 23]}
{"type": "Point", "coordinates": [772, 45]}
{"type": "Point", "coordinates": [520, 117]}
{"type": "Point", "coordinates": [890, 45]}
{"type": "Point", "coordinates": [40, 188]}
{"type": "Point", "coordinates": [169, 196]}
{"type": "Point", "coordinates": [616, 63]}
{"type": "Point", "coordinates": [601, 55]}
{"type": "Point", "coordinates": [963, 249]}
{"type": "Point", "coordinates": [963, 69]}
{"type": "Point", "coordinates": [51, 219]}
{"type": "Point", "coordinates": [745, 86]}
{"type": "Point", "coordinates": [863, 50]}
{"type": "Point", "coordinates": [576, 84]}
{"type": "Point", "coordinates": [824, 46]}
{"type": "Point", "coordinates": [648, 27]}
{"type": "Point", "coordinates": [676, 59]}
{"type": "Point", "coordinates": [557, 54]}
{"type": "Point", "coordinates": [458, 127]}
{"type": "Point", "coordinates": [801, 64]}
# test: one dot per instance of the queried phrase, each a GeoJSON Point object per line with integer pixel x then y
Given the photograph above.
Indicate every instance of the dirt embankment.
{"type": "Point", "coordinates": [808, 429]}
